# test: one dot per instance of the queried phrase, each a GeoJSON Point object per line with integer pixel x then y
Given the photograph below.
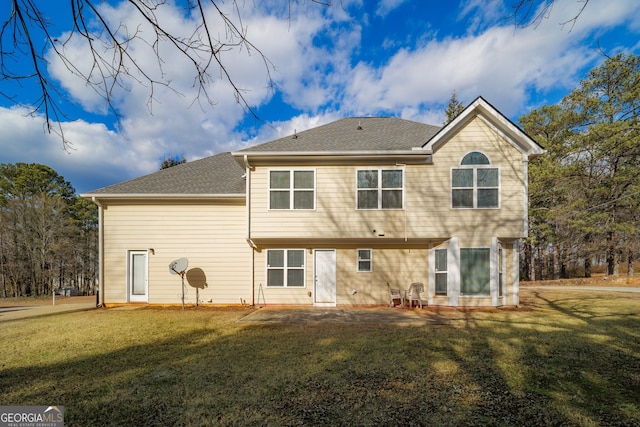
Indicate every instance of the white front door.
{"type": "Point", "coordinates": [325, 277]}
{"type": "Point", "coordinates": [138, 277]}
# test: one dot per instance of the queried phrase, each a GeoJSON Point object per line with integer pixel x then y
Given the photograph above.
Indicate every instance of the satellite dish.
{"type": "Point", "coordinates": [178, 266]}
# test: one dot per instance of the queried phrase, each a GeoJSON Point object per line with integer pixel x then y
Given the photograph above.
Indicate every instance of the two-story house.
{"type": "Point", "coordinates": [329, 216]}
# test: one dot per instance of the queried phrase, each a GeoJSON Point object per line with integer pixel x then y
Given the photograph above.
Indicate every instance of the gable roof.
{"type": "Point", "coordinates": [352, 134]}
{"type": "Point", "coordinates": [371, 140]}
{"type": "Point", "coordinates": [493, 118]}
{"type": "Point", "coordinates": [215, 176]}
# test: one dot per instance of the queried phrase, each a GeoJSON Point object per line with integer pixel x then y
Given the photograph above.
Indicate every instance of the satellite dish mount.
{"type": "Point", "coordinates": [179, 267]}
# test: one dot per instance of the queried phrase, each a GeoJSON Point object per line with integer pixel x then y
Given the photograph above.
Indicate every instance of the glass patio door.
{"type": "Point", "coordinates": [138, 278]}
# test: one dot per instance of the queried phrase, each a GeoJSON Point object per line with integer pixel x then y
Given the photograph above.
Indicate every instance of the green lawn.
{"type": "Point", "coordinates": [563, 358]}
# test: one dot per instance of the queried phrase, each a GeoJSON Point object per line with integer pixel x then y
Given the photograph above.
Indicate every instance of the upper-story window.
{"type": "Point", "coordinates": [475, 183]}
{"type": "Point", "coordinates": [292, 189]}
{"type": "Point", "coordinates": [380, 189]}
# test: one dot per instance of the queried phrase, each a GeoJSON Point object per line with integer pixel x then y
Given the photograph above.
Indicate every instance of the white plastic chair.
{"type": "Point", "coordinates": [413, 293]}
{"type": "Point", "coordinates": [395, 294]}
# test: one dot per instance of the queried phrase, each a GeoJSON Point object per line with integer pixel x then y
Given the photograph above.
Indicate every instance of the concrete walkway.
{"type": "Point", "coordinates": [18, 312]}
{"type": "Point", "coordinates": [354, 316]}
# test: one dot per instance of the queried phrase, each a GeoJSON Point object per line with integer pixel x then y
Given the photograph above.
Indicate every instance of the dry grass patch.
{"type": "Point", "coordinates": [566, 358]}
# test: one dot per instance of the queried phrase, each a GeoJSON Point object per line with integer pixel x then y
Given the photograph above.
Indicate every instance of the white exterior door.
{"type": "Point", "coordinates": [138, 282]}
{"type": "Point", "coordinates": [325, 278]}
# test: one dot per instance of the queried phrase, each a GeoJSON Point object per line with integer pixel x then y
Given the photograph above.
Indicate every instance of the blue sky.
{"type": "Point", "coordinates": [355, 58]}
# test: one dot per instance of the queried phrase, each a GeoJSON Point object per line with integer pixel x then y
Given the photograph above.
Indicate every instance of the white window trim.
{"type": "Point", "coordinates": [358, 259]}
{"type": "Point", "coordinates": [475, 182]}
{"type": "Point", "coordinates": [380, 189]}
{"type": "Point", "coordinates": [285, 268]}
{"type": "Point", "coordinates": [130, 296]}
{"type": "Point", "coordinates": [436, 271]}
{"type": "Point", "coordinates": [291, 188]}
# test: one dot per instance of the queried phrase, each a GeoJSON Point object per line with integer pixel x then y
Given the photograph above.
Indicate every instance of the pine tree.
{"type": "Point", "coordinates": [171, 161]}
{"type": "Point", "coordinates": [584, 192]}
{"type": "Point", "coordinates": [454, 108]}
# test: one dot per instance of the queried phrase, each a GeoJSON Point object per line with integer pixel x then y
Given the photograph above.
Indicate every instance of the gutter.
{"type": "Point", "coordinates": [416, 156]}
{"type": "Point", "coordinates": [158, 196]}
{"type": "Point", "coordinates": [100, 251]}
{"type": "Point", "coordinates": [366, 153]}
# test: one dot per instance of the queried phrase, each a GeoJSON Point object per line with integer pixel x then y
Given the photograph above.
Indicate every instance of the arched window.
{"type": "Point", "coordinates": [475, 184]}
{"type": "Point", "coordinates": [475, 158]}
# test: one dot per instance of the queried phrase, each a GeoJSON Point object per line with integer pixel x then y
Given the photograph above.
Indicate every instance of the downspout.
{"type": "Point", "coordinates": [100, 251]}
{"type": "Point", "coordinates": [404, 197]}
{"type": "Point", "coordinates": [251, 243]}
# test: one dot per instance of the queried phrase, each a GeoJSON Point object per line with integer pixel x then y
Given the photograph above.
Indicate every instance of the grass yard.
{"type": "Point", "coordinates": [563, 358]}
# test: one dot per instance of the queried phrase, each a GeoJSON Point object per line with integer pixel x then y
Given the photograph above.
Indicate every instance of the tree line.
{"type": "Point", "coordinates": [48, 234]}
{"type": "Point", "coordinates": [585, 192]}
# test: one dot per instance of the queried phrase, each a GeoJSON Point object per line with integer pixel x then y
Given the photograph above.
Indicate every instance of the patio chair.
{"type": "Point", "coordinates": [413, 293]}
{"type": "Point", "coordinates": [395, 294]}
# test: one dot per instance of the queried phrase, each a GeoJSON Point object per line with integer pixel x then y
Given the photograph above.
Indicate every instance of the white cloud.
{"type": "Point", "coordinates": [95, 155]}
{"type": "Point", "coordinates": [177, 119]}
{"type": "Point", "coordinates": [482, 14]}
{"type": "Point", "coordinates": [501, 63]}
{"type": "Point", "coordinates": [296, 124]}
{"type": "Point", "coordinates": [387, 6]}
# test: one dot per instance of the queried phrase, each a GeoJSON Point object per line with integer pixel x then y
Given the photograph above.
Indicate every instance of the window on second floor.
{"type": "Point", "coordinates": [475, 184]}
{"type": "Point", "coordinates": [292, 189]}
{"type": "Point", "coordinates": [380, 189]}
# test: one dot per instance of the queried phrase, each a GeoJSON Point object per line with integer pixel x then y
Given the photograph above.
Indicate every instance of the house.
{"type": "Point", "coordinates": [327, 217]}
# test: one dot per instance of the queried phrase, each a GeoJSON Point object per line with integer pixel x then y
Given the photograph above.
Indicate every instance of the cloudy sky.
{"type": "Point", "coordinates": [355, 58]}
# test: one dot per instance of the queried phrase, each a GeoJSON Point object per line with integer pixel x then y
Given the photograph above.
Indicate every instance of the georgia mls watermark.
{"type": "Point", "coordinates": [31, 416]}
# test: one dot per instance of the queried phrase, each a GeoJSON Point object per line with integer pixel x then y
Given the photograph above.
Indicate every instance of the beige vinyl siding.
{"type": "Point", "coordinates": [474, 226]}
{"type": "Point", "coordinates": [275, 295]}
{"type": "Point", "coordinates": [427, 214]}
{"type": "Point", "coordinates": [335, 214]}
{"type": "Point", "coordinates": [399, 267]}
{"type": "Point", "coordinates": [211, 236]}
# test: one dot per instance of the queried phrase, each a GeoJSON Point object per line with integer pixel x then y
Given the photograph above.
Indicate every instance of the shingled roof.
{"type": "Point", "coordinates": [223, 176]}
{"type": "Point", "coordinates": [215, 175]}
{"type": "Point", "coordinates": [353, 134]}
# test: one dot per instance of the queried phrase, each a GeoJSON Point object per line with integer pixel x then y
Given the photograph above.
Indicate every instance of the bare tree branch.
{"type": "Point", "coordinates": [111, 61]}
{"type": "Point", "coordinates": [17, 28]}
{"type": "Point", "coordinates": [528, 13]}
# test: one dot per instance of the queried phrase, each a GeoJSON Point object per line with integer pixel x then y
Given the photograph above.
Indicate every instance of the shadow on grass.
{"type": "Point", "coordinates": [542, 367]}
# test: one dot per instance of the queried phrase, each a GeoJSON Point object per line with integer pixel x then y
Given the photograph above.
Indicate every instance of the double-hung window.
{"type": "Point", "coordinates": [364, 260]}
{"type": "Point", "coordinates": [285, 268]}
{"type": "Point", "coordinates": [475, 184]}
{"type": "Point", "coordinates": [292, 189]}
{"type": "Point", "coordinates": [441, 271]}
{"type": "Point", "coordinates": [380, 189]}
